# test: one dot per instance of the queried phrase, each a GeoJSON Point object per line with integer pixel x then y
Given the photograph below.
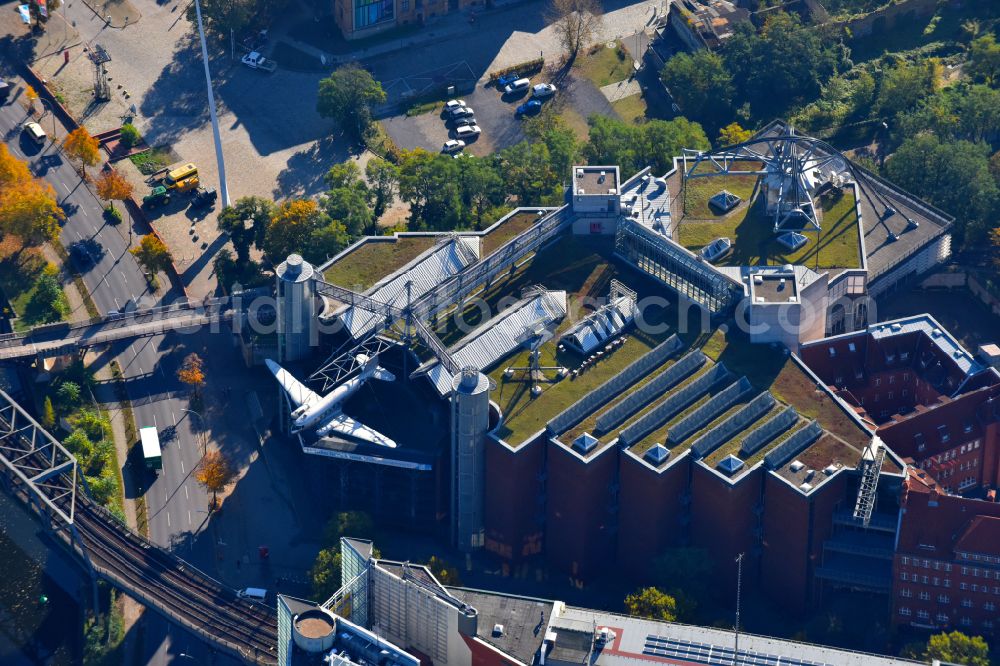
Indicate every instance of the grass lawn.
{"type": "Point", "coordinates": [373, 260]}
{"type": "Point", "coordinates": [697, 192]}
{"type": "Point", "coordinates": [511, 227]}
{"type": "Point", "coordinates": [632, 109]}
{"type": "Point", "coordinates": [425, 107]}
{"type": "Point", "coordinates": [154, 159]}
{"type": "Point", "coordinates": [18, 280]}
{"type": "Point", "coordinates": [604, 66]}
{"type": "Point", "coordinates": [576, 122]}
{"type": "Point", "coordinates": [754, 243]}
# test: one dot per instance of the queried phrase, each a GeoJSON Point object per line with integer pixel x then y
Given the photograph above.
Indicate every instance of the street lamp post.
{"type": "Point", "coordinates": [224, 190]}
{"type": "Point", "coordinates": [201, 421]}
{"type": "Point", "coordinates": [47, 105]}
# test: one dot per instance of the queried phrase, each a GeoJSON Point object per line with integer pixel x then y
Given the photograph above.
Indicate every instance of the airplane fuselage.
{"type": "Point", "coordinates": [329, 405]}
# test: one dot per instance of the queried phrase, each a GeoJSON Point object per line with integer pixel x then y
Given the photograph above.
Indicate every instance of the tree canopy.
{"type": "Point", "coordinates": [79, 145]}
{"type": "Point", "coordinates": [957, 648]}
{"type": "Point", "coordinates": [347, 96]}
{"type": "Point", "coordinates": [28, 207]}
{"type": "Point", "coordinates": [152, 254]}
{"type": "Point", "coordinates": [246, 221]}
{"type": "Point", "coordinates": [214, 472]}
{"type": "Point", "coordinates": [301, 226]}
{"type": "Point", "coordinates": [652, 603]}
{"type": "Point", "coordinates": [112, 186]}
{"type": "Point", "coordinates": [702, 85]}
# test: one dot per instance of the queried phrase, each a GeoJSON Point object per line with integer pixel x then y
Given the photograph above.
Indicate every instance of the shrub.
{"type": "Point", "coordinates": [112, 215]}
{"type": "Point", "coordinates": [130, 135]}
{"type": "Point", "coordinates": [522, 69]}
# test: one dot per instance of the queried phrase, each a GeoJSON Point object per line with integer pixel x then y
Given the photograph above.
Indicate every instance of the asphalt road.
{"type": "Point", "coordinates": [177, 505]}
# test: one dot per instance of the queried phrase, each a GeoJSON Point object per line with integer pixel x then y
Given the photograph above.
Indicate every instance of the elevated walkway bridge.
{"type": "Point", "coordinates": [69, 337]}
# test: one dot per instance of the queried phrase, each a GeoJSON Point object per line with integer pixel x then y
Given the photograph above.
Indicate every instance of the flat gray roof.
{"type": "Point", "coordinates": [590, 180]}
{"type": "Point", "coordinates": [524, 620]}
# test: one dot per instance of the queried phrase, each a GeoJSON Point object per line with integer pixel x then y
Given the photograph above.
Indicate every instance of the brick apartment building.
{"type": "Point", "coordinates": [363, 18]}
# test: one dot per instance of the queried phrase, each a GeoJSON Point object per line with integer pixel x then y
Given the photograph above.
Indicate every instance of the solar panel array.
{"type": "Point", "coordinates": [656, 386]}
{"type": "Point", "coordinates": [716, 655]}
{"type": "Point", "coordinates": [768, 430]}
{"type": "Point", "coordinates": [639, 368]}
{"type": "Point", "coordinates": [668, 408]}
{"type": "Point", "coordinates": [724, 431]}
{"type": "Point", "coordinates": [793, 445]}
{"type": "Point", "coordinates": [700, 417]}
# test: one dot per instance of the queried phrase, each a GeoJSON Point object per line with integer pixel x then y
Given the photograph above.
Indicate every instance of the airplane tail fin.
{"type": "Point", "coordinates": [371, 368]}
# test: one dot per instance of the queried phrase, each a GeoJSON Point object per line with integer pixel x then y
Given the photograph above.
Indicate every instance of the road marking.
{"type": "Point", "coordinates": [65, 187]}
{"type": "Point", "coordinates": [189, 516]}
{"type": "Point", "coordinates": [168, 519]}
{"type": "Point", "coordinates": [84, 211]}
{"type": "Point", "coordinates": [173, 416]}
{"type": "Point", "coordinates": [182, 467]}
{"type": "Point", "coordinates": [154, 415]}
{"type": "Point", "coordinates": [186, 493]}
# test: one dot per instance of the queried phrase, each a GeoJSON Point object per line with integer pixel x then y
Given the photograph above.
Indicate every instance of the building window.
{"type": "Point", "coordinates": [878, 380]}
{"type": "Point", "coordinates": [371, 12]}
{"type": "Point", "coordinates": [905, 559]}
{"type": "Point", "coordinates": [941, 617]}
{"type": "Point", "coordinates": [904, 576]}
{"type": "Point", "coordinates": [892, 379]}
{"type": "Point", "coordinates": [925, 596]}
{"type": "Point", "coordinates": [923, 580]}
{"type": "Point", "coordinates": [906, 593]}
{"type": "Point", "coordinates": [965, 571]}
{"type": "Point", "coordinates": [988, 624]}
{"type": "Point", "coordinates": [943, 598]}
{"type": "Point", "coordinates": [927, 564]}
{"type": "Point", "coordinates": [963, 586]}
{"type": "Point", "coordinates": [966, 603]}
{"type": "Point", "coordinates": [947, 582]}
{"type": "Point", "coordinates": [965, 622]}
{"type": "Point", "coordinates": [905, 612]}
{"type": "Point", "coordinates": [990, 606]}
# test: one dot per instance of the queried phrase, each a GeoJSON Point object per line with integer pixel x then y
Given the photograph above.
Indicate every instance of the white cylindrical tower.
{"type": "Point", "coordinates": [470, 419]}
{"type": "Point", "coordinates": [296, 305]}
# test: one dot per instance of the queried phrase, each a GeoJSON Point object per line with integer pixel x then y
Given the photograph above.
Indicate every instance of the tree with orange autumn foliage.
{"type": "Point", "coordinates": [28, 207]}
{"type": "Point", "coordinates": [79, 145]}
{"type": "Point", "coordinates": [215, 473]}
{"type": "Point", "coordinates": [112, 186]}
{"type": "Point", "coordinates": [192, 372]}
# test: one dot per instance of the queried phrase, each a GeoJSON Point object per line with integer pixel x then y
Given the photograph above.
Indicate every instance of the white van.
{"type": "Point", "coordinates": [254, 593]}
{"type": "Point", "coordinates": [36, 133]}
{"type": "Point", "coordinates": [517, 86]}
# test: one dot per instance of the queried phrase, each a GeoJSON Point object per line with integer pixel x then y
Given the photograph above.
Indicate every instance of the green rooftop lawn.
{"type": "Point", "coordinates": [512, 226]}
{"type": "Point", "coordinates": [754, 242]}
{"type": "Point", "coordinates": [698, 191]}
{"type": "Point", "coordinates": [375, 259]}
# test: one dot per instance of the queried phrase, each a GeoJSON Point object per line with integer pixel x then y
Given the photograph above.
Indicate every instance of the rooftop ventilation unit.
{"type": "Point", "coordinates": [579, 173]}
{"type": "Point", "coordinates": [796, 466]}
{"type": "Point", "coordinates": [897, 327]}
{"type": "Point", "coordinates": [657, 454]}
{"type": "Point", "coordinates": [829, 470]}
{"type": "Point", "coordinates": [889, 212]}
{"type": "Point", "coordinates": [805, 487]}
{"type": "Point", "coordinates": [497, 630]}
{"type": "Point", "coordinates": [911, 224]}
{"type": "Point", "coordinates": [758, 279]}
{"type": "Point", "coordinates": [891, 238]}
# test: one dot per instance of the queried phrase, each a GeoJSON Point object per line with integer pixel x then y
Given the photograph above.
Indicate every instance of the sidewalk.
{"type": "Point", "coordinates": [117, 13]}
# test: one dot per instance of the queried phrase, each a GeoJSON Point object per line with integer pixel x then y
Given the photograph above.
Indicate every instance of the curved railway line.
{"type": "Point", "coordinates": [168, 584]}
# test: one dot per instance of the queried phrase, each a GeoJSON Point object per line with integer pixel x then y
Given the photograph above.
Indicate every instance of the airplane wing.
{"type": "Point", "coordinates": [296, 390]}
{"type": "Point", "coordinates": [345, 425]}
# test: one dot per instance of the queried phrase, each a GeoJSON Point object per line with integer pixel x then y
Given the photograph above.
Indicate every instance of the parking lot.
{"type": "Point", "coordinates": [495, 114]}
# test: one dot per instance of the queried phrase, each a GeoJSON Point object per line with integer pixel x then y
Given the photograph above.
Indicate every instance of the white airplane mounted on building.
{"type": "Point", "coordinates": [325, 413]}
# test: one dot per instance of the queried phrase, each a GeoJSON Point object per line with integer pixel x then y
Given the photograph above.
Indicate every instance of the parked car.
{"type": "Point", "coordinates": [453, 104]}
{"type": "Point", "coordinates": [35, 133]}
{"type": "Point", "coordinates": [468, 120]}
{"type": "Point", "coordinates": [505, 80]}
{"type": "Point", "coordinates": [517, 86]}
{"type": "Point", "coordinates": [543, 90]}
{"type": "Point", "coordinates": [204, 197]}
{"type": "Point", "coordinates": [468, 131]}
{"type": "Point", "coordinates": [452, 146]}
{"type": "Point", "coordinates": [717, 250]}
{"type": "Point", "coordinates": [461, 112]}
{"type": "Point", "coordinates": [531, 107]}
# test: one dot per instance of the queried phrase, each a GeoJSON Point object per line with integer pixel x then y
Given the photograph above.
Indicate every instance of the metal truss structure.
{"type": "Point", "coordinates": [343, 361]}
{"type": "Point", "coordinates": [34, 460]}
{"type": "Point", "coordinates": [797, 166]}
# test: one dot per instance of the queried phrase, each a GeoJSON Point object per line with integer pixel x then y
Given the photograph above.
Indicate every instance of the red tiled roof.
{"type": "Point", "coordinates": [932, 522]}
{"type": "Point", "coordinates": [981, 536]}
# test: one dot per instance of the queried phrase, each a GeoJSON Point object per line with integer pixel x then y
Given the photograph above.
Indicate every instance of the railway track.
{"type": "Point", "coordinates": [173, 587]}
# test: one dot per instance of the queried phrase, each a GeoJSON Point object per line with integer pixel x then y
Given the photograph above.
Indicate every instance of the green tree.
{"type": "Point", "coordinates": [48, 303]}
{"type": "Point", "coordinates": [702, 86]}
{"type": "Point", "coordinates": [152, 254]}
{"type": "Point", "coordinates": [953, 175]}
{"type": "Point", "coordinates": [68, 395]}
{"type": "Point", "coordinates": [349, 206]}
{"type": "Point", "coordinates": [325, 573]}
{"type": "Point", "coordinates": [429, 184]}
{"type": "Point", "coordinates": [300, 226]}
{"type": "Point", "coordinates": [904, 85]}
{"type": "Point", "coordinates": [661, 140]}
{"type": "Point", "coordinates": [652, 603]}
{"type": "Point", "coordinates": [559, 138]}
{"type": "Point", "coordinates": [48, 413]}
{"type": "Point", "coordinates": [382, 177]}
{"type": "Point", "coordinates": [354, 524]}
{"type": "Point", "coordinates": [958, 648]}
{"type": "Point", "coordinates": [80, 446]}
{"type": "Point", "coordinates": [783, 64]}
{"type": "Point", "coordinates": [482, 187]}
{"type": "Point", "coordinates": [526, 170]}
{"type": "Point", "coordinates": [614, 142]}
{"type": "Point", "coordinates": [246, 222]}
{"type": "Point", "coordinates": [93, 423]}
{"type": "Point", "coordinates": [347, 96]}
{"type": "Point", "coordinates": [984, 60]}
{"type": "Point", "coordinates": [732, 134]}
{"type": "Point", "coordinates": [345, 174]}
{"type": "Point", "coordinates": [223, 16]}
